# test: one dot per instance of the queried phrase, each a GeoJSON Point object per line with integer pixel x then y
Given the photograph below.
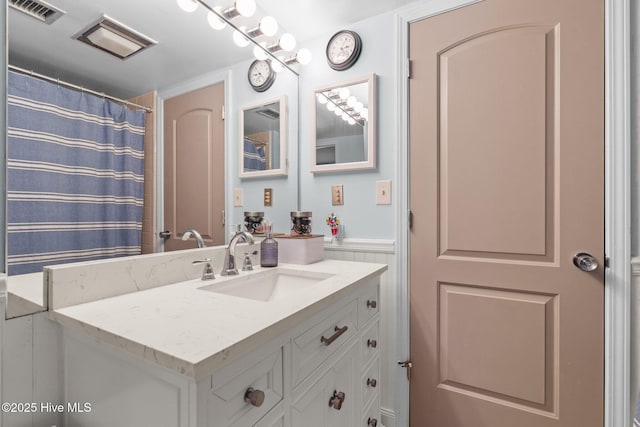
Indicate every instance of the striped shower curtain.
{"type": "Point", "coordinates": [74, 176]}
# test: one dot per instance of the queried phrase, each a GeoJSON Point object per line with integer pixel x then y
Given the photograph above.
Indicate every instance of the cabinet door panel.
{"type": "Point", "coordinates": [311, 408]}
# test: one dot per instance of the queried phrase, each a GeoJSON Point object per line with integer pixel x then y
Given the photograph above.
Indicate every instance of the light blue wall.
{"type": "Point", "coordinates": [360, 215]}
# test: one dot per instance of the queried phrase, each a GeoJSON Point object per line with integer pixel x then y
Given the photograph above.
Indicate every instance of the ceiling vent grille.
{"type": "Point", "coordinates": [39, 10]}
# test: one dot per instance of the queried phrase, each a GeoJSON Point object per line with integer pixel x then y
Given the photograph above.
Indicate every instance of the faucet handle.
{"type": "Point", "coordinates": [207, 272]}
{"type": "Point", "coordinates": [247, 265]}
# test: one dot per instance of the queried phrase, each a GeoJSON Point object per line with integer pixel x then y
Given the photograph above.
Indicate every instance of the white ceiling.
{"type": "Point", "coordinates": [187, 47]}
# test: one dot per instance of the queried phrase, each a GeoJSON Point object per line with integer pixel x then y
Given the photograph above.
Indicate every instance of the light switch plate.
{"type": "Point", "coordinates": [238, 197]}
{"type": "Point", "coordinates": [383, 192]}
{"type": "Point", "coordinates": [337, 195]}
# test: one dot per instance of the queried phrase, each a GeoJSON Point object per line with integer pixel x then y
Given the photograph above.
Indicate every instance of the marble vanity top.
{"type": "Point", "coordinates": [195, 332]}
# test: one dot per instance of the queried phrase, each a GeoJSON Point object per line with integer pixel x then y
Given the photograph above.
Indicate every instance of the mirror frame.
{"type": "Point", "coordinates": [370, 163]}
{"type": "Point", "coordinates": [282, 170]}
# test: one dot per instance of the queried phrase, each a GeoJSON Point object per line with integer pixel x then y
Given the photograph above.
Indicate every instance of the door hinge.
{"type": "Point", "coordinates": [222, 112]}
{"type": "Point", "coordinates": [410, 218]}
{"type": "Point", "coordinates": [407, 365]}
{"type": "Point", "coordinates": [223, 218]}
{"type": "Point", "coordinates": [408, 71]}
{"type": "Point", "coordinates": [607, 262]}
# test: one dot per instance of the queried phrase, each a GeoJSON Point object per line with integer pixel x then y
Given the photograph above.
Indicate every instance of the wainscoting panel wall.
{"type": "Point", "coordinates": [378, 251]}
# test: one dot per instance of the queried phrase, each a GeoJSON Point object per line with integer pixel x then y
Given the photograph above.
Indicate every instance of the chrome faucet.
{"type": "Point", "coordinates": [229, 267]}
{"type": "Point", "coordinates": [207, 272]}
{"type": "Point", "coordinates": [191, 232]}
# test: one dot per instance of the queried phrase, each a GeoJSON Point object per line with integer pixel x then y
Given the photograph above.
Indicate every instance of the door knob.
{"type": "Point", "coordinates": [166, 235]}
{"type": "Point", "coordinates": [585, 262]}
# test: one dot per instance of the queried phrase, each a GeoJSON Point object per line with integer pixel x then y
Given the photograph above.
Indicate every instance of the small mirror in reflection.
{"type": "Point", "coordinates": [263, 144]}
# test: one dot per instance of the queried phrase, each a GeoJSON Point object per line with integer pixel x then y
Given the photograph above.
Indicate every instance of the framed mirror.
{"type": "Point", "coordinates": [263, 139]}
{"type": "Point", "coordinates": [345, 126]}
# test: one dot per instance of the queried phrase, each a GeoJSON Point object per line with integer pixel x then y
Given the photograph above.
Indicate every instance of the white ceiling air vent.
{"type": "Point", "coordinates": [115, 38]}
{"type": "Point", "coordinates": [40, 10]}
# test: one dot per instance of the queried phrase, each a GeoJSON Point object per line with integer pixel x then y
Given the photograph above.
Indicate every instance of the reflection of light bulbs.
{"type": "Point", "coordinates": [276, 66]}
{"type": "Point", "coordinates": [287, 42]}
{"type": "Point", "coordinates": [351, 101]}
{"type": "Point", "coordinates": [322, 99]}
{"type": "Point", "coordinates": [239, 38]}
{"type": "Point", "coordinates": [268, 26]}
{"type": "Point", "coordinates": [338, 111]}
{"type": "Point", "coordinates": [358, 107]}
{"type": "Point", "coordinates": [304, 56]}
{"type": "Point", "coordinates": [214, 21]}
{"type": "Point", "coordinates": [331, 106]}
{"type": "Point", "coordinates": [188, 5]}
{"type": "Point", "coordinates": [351, 121]}
{"type": "Point", "coordinates": [246, 8]}
{"type": "Point", "coordinates": [345, 116]}
{"type": "Point", "coordinates": [365, 113]}
{"type": "Point", "coordinates": [259, 53]}
{"type": "Point", "coordinates": [344, 93]}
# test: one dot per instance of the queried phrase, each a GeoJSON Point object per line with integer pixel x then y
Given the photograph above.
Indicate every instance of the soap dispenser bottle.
{"type": "Point", "coordinates": [269, 249]}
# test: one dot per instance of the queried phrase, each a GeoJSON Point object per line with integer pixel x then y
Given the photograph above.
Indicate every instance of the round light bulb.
{"type": "Point", "coordinates": [344, 93]}
{"type": "Point", "coordinates": [239, 38]}
{"type": "Point", "coordinates": [322, 99]}
{"type": "Point", "coordinates": [246, 8]}
{"type": "Point", "coordinates": [259, 53]}
{"type": "Point", "coordinates": [304, 56]}
{"type": "Point", "coordinates": [214, 21]}
{"type": "Point", "coordinates": [365, 113]}
{"type": "Point", "coordinates": [331, 106]}
{"type": "Point", "coordinates": [345, 116]}
{"type": "Point", "coordinates": [358, 107]}
{"type": "Point", "coordinates": [351, 101]}
{"type": "Point", "coordinates": [338, 111]}
{"type": "Point", "coordinates": [268, 26]}
{"type": "Point", "coordinates": [287, 42]}
{"type": "Point", "coordinates": [351, 121]}
{"type": "Point", "coordinates": [188, 5]}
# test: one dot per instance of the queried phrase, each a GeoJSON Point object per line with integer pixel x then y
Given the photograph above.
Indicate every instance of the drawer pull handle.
{"type": "Point", "coordinates": [337, 399]}
{"type": "Point", "coordinates": [372, 422]}
{"type": "Point", "coordinates": [372, 343]}
{"type": "Point", "coordinates": [332, 338]}
{"type": "Point", "coordinates": [371, 303]}
{"type": "Point", "coordinates": [372, 382]}
{"type": "Point", "coordinates": [254, 397]}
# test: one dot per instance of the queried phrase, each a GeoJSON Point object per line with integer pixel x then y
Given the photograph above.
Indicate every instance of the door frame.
{"type": "Point", "coordinates": [617, 226]}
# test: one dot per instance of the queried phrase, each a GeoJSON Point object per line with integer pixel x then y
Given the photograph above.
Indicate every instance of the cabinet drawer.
{"type": "Point", "coordinates": [368, 305]}
{"type": "Point", "coordinates": [321, 340]}
{"type": "Point", "coordinates": [371, 383]}
{"type": "Point", "coordinates": [370, 343]}
{"type": "Point", "coordinates": [259, 376]}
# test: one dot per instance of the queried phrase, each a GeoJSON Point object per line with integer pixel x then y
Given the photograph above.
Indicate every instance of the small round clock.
{"type": "Point", "coordinates": [261, 75]}
{"type": "Point", "coordinates": [343, 49]}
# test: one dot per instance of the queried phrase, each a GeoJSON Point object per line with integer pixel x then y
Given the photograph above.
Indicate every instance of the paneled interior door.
{"type": "Point", "coordinates": [194, 167]}
{"type": "Point", "coordinates": [507, 185]}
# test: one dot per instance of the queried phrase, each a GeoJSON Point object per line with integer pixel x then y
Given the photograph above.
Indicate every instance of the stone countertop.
{"type": "Point", "coordinates": [195, 332]}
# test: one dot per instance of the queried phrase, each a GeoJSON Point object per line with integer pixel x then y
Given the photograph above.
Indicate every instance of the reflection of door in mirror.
{"type": "Point", "coordinates": [194, 167]}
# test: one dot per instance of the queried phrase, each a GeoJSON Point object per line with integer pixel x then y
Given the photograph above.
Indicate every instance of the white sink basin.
{"type": "Point", "coordinates": [267, 285]}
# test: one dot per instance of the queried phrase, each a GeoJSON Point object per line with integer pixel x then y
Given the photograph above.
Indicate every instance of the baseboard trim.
{"type": "Point", "coordinates": [388, 417]}
{"type": "Point", "coordinates": [360, 245]}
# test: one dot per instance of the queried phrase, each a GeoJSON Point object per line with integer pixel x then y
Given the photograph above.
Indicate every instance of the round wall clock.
{"type": "Point", "coordinates": [261, 75]}
{"type": "Point", "coordinates": [343, 49]}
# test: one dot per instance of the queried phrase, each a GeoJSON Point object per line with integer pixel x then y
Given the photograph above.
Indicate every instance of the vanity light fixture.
{"type": "Point", "coordinates": [115, 38]}
{"type": "Point", "coordinates": [260, 35]}
{"type": "Point", "coordinates": [344, 105]}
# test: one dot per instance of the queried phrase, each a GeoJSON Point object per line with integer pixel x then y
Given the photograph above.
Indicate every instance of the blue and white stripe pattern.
{"type": "Point", "coordinates": [254, 157]}
{"type": "Point", "coordinates": [75, 165]}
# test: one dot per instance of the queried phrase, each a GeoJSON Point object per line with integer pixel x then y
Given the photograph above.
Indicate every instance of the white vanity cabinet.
{"type": "Point", "coordinates": [324, 371]}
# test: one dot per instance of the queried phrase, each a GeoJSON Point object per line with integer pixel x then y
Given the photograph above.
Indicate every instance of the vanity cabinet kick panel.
{"type": "Point", "coordinates": [297, 372]}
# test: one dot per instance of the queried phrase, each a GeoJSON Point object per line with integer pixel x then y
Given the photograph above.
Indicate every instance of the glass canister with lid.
{"type": "Point", "coordinates": [301, 223]}
{"type": "Point", "coordinates": [253, 222]}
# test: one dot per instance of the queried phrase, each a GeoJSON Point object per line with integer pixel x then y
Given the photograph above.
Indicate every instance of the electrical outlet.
{"type": "Point", "coordinates": [337, 195]}
{"type": "Point", "coordinates": [238, 197]}
{"type": "Point", "coordinates": [268, 196]}
{"type": "Point", "coordinates": [383, 192]}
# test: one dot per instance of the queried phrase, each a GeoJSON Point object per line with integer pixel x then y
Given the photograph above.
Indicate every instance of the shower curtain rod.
{"type": "Point", "coordinates": [80, 88]}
